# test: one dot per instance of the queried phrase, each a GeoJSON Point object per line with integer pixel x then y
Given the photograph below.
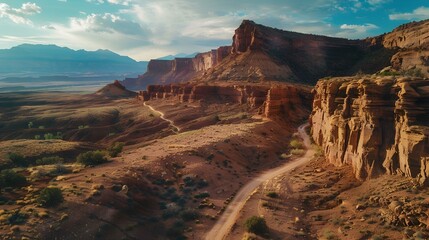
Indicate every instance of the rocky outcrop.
{"type": "Point", "coordinates": [277, 102]}
{"type": "Point", "coordinates": [115, 90]}
{"type": "Point", "coordinates": [376, 125]}
{"type": "Point", "coordinates": [412, 43]}
{"type": "Point", "coordinates": [177, 70]}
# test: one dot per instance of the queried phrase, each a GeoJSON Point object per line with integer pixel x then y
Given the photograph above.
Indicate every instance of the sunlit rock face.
{"type": "Point", "coordinates": [376, 125]}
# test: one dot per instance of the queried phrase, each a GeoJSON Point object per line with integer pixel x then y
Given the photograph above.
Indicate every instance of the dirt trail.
{"type": "Point", "coordinates": [229, 217]}
{"type": "Point", "coordinates": [162, 116]}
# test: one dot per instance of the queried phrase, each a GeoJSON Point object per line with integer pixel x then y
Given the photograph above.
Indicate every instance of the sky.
{"type": "Point", "coordinates": [147, 29]}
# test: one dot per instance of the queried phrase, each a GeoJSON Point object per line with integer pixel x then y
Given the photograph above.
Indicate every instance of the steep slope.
{"type": "Point", "coordinates": [377, 125]}
{"type": "Point", "coordinates": [43, 60]}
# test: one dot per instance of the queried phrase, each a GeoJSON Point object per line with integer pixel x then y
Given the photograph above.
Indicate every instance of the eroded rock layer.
{"type": "Point", "coordinates": [278, 101]}
{"type": "Point", "coordinates": [177, 70]}
{"type": "Point", "coordinates": [376, 125]}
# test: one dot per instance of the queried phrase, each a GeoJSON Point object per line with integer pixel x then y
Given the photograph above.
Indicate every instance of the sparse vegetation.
{"type": "Point", "coordinates": [49, 160]}
{"type": "Point", "coordinates": [30, 125]}
{"type": "Point", "coordinates": [83, 127]}
{"type": "Point", "coordinates": [17, 218]}
{"type": "Point", "coordinates": [50, 197]}
{"type": "Point", "coordinates": [92, 158]}
{"type": "Point", "coordinates": [18, 160]}
{"type": "Point", "coordinates": [297, 152]}
{"type": "Point", "coordinates": [295, 143]}
{"type": "Point", "coordinates": [115, 149]}
{"type": "Point", "coordinates": [10, 178]}
{"type": "Point", "coordinates": [256, 225]}
{"type": "Point", "coordinates": [50, 136]}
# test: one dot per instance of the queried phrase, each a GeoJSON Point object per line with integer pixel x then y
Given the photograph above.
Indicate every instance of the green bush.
{"type": "Point", "coordinates": [50, 197]}
{"type": "Point", "coordinates": [256, 225]}
{"type": "Point", "coordinates": [9, 178]}
{"type": "Point", "coordinates": [296, 144]}
{"type": "Point", "coordinates": [297, 152]}
{"type": "Point", "coordinates": [202, 195]}
{"type": "Point", "coordinates": [189, 215]}
{"type": "Point", "coordinates": [115, 149]}
{"type": "Point", "coordinates": [30, 125]}
{"type": "Point", "coordinates": [92, 158]}
{"type": "Point", "coordinates": [49, 160]}
{"type": "Point", "coordinates": [17, 218]}
{"type": "Point", "coordinates": [18, 160]}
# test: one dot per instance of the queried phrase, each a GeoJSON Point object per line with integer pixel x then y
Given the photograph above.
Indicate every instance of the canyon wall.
{"type": "Point", "coordinates": [277, 102]}
{"type": "Point", "coordinates": [376, 125]}
{"type": "Point", "coordinates": [177, 70]}
{"type": "Point", "coordinates": [412, 42]}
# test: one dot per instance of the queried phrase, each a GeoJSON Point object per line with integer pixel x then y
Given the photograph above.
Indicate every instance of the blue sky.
{"type": "Point", "coordinates": [145, 29]}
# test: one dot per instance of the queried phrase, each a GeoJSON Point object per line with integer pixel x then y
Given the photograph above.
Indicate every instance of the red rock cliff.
{"type": "Point", "coordinates": [177, 70]}
{"type": "Point", "coordinates": [277, 102]}
{"type": "Point", "coordinates": [375, 125]}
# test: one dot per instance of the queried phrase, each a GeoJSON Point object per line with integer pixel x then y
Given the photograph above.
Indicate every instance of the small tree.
{"type": "Point", "coordinates": [30, 125]}
{"type": "Point", "coordinates": [50, 197]}
{"type": "Point", "coordinates": [18, 160]}
{"type": "Point", "coordinates": [9, 178]}
{"type": "Point", "coordinates": [256, 225]}
{"type": "Point", "coordinates": [115, 149]}
{"type": "Point", "coordinates": [92, 158]}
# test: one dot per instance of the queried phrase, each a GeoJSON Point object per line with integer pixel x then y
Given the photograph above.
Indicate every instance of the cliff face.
{"type": "Point", "coordinates": [376, 125]}
{"type": "Point", "coordinates": [177, 70]}
{"type": "Point", "coordinates": [261, 53]}
{"type": "Point", "coordinates": [277, 102]}
{"type": "Point", "coordinates": [412, 42]}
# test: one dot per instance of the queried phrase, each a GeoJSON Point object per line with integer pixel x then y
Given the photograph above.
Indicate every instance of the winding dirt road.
{"type": "Point", "coordinates": [229, 217]}
{"type": "Point", "coordinates": [162, 116]}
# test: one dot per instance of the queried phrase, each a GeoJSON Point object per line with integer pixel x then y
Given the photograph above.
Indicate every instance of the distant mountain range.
{"type": "Point", "coordinates": [45, 60]}
{"type": "Point", "coordinates": [179, 55]}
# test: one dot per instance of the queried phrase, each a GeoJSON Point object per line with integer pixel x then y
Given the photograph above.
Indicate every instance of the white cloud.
{"type": "Point", "coordinates": [356, 31]}
{"type": "Point", "coordinates": [376, 2]}
{"type": "Point", "coordinates": [418, 14]}
{"type": "Point", "coordinates": [120, 2]}
{"type": "Point", "coordinates": [18, 15]}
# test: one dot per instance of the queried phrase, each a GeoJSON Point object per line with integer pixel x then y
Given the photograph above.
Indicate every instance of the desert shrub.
{"type": "Point", "coordinates": [49, 160]}
{"type": "Point", "coordinates": [256, 225]}
{"type": "Point", "coordinates": [92, 158]}
{"type": "Point", "coordinates": [18, 160]}
{"type": "Point", "coordinates": [202, 195]}
{"type": "Point", "coordinates": [9, 178]}
{"type": "Point", "coordinates": [189, 214]}
{"type": "Point", "coordinates": [83, 127]}
{"type": "Point", "coordinates": [30, 125]}
{"type": "Point", "coordinates": [59, 169]}
{"type": "Point", "coordinates": [272, 195]}
{"type": "Point", "coordinates": [37, 137]}
{"type": "Point", "coordinates": [115, 149]}
{"type": "Point", "coordinates": [48, 136]}
{"type": "Point", "coordinates": [50, 197]}
{"type": "Point", "coordinates": [297, 152]}
{"type": "Point", "coordinates": [17, 218]}
{"type": "Point", "coordinates": [295, 143]}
